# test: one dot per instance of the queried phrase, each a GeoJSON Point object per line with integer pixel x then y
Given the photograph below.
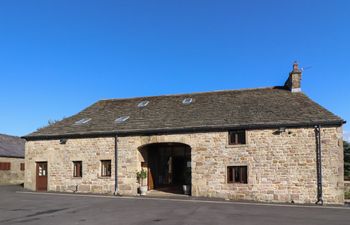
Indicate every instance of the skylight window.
{"type": "Point", "coordinates": [143, 104]}
{"type": "Point", "coordinates": [82, 121]}
{"type": "Point", "coordinates": [187, 101]}
{"type": "Point", "coordinates": [122, 119]}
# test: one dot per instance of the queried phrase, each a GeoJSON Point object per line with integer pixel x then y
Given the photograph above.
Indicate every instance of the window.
{"type": "Point", "coordinates": [237, 137]}
{"type": "Point", "coordinates": [82, 121]}
{"type": "Point", "coordinates": [122, 119]}
{"type": "Point", "coordinates": [77, 169]}
{"type": "Point", "coordinates": [187, 101]}
{"type": "Point", "coordinates": [22, 167]}
{"type": "Point", "coordinates": [237, 174]}
{"type": "Point", "coordinates": [5, 166]}
{"type": "Point", "coordinates": [106, 168]}
{"type": "Point", "coordinates": [42, 169]}
{"type": "Point", "coordinates": [143, 104]}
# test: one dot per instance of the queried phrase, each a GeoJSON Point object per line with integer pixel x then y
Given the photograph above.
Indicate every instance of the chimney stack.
{"type": "Point", "coordinates": [294, 80]}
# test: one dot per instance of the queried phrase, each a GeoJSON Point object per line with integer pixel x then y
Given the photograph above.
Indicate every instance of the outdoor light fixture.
{"type": "Point", "coordinates": [63, 141]}
{"type": "Point", "coordinates": [281, 129]}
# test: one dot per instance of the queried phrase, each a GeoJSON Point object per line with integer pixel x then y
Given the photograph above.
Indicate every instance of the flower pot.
{"type": "Point", "coordinates": [143, 190]}
{"type": "Point", "coordinates": [187, 189]}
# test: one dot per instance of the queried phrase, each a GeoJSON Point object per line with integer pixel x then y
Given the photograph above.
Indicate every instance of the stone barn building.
{"type": "Point", "coordinates": [11, 160]}
{"type": "Point", "coordinates": [267, 144]}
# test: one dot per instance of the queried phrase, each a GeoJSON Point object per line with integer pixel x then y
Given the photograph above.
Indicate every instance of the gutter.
{"type": "Point", "coordinates": [179, 130]}
{"type": "Point", "coordinates": [9, 156]}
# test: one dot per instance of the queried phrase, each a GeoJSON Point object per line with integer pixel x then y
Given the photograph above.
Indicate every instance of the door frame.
{"type": "Point", "coordinates": [41, 177]}
{"type": "Point", "coordinates": [148, 163]}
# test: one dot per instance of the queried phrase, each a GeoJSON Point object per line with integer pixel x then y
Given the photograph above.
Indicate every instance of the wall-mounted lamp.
{"type": "Point", "coordinates": [63, 141]}
{"type": "Point", "coordinates": [281, 129]}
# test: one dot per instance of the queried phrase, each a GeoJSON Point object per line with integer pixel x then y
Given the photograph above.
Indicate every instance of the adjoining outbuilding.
{"type": "Point", "coordinates": [265, 144]}
{"type": "Point", "coordinates": [11, 160]}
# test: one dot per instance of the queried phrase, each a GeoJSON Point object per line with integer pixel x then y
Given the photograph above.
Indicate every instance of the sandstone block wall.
{"type": "Point", "coordinates": [13, 176]}
{"type": "Point", "coordinates": [60, 159]}
{"type": "Point", "coordinates": [281, 167]}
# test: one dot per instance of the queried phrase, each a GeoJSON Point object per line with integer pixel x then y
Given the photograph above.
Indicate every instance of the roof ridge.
{"type": "Point", "coordinates": [193, 93]}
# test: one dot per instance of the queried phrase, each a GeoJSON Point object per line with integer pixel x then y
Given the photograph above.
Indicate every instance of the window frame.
{"type": "Point", "coordinates": [106, 171]}
{"type": "Point", "coordinates": [78, 169]}
{"type": "Point", "coordinates": [237, 137]}
{"type": "Point", "coordinates": [242, 171]}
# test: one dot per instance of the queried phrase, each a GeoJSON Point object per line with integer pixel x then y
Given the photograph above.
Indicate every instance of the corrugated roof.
{"type": "Point", "coordinates": [11, 146]}
{"type": "Point", "coordinates": [210, 110]}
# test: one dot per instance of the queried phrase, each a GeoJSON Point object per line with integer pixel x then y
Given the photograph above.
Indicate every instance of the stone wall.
{"type": "Point", "coordinates": [13, 176]}
{"type": "Point", "coordinates": [60, 159]}
{"type": "Point", "coordinates": [281, 167]}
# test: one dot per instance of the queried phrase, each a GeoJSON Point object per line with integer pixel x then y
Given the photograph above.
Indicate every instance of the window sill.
{"type": "Point", "coordinates": [104, 178]}
{"type": "Point", "coordinates": [237, 146]}
{"type": "Point", "coordinates": [77, 178]}
{"type": "Point", "coordinates": [238, 184]}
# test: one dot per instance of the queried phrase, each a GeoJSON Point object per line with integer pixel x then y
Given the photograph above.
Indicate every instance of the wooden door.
{"type": "Point", "coordinates": [151, 175]}
{"type": "Point", "coordinates": [41, 176]}
{"type": "Point", "coordinates": [150, 180]}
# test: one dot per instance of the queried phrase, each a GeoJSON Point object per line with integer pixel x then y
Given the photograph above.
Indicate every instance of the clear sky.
{"type": "Point", "coordinates": [58, 57]}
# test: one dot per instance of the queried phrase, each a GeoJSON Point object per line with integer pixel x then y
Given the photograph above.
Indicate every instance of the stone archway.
{"type": "Point", "coordinates": [168, 166]}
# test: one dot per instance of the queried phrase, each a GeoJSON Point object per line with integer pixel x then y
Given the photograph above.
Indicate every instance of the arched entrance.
{"type": "Point", "coordinates": [168, 166]}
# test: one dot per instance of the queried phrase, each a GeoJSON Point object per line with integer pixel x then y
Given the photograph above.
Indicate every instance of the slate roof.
{"type": "Point", "coordinates": [11, 146]}
{"type": "Point", "coordinates": [249, 108]}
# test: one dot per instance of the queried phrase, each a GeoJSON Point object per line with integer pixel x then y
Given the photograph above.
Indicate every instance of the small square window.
{"type": "Point", "coordinates": [77, 169]}
{"type": "Point", "coordinates": [106, 168]}
{"type": "Point", "coordinates": [22, 167]}
{"type": "Point", "coordinates": [237, 174]}
{"type": "Point", "coordinates": [237, 137]}
{"type": "Point", "coordinates": [5, 166]}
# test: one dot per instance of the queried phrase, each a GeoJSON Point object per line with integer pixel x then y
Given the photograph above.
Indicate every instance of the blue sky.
{"type": "Point", "coordinates": [58, 57]}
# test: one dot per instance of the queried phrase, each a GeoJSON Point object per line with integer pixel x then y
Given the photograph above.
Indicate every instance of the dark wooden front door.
{"type": "Point", "coordinates": [41, 176]}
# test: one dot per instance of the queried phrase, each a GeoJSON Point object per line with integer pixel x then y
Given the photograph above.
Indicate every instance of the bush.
{"type": "Point", "coordinates": [141, 176]}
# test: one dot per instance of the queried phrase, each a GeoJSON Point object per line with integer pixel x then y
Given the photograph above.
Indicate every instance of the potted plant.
{"type": "Point", "coordinates": [187, 186]}
{"type": "Point", "coordinates": [141, 176]}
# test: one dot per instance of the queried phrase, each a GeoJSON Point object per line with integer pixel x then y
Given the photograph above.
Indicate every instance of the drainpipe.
{"type": "Point", "coordinates": [116, 191]}
{"type": "Point", "coordinates": [319, 164]}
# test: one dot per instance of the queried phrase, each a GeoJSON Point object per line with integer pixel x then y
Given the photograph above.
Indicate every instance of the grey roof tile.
{"type": "Point", "coordinates": [220, 109]}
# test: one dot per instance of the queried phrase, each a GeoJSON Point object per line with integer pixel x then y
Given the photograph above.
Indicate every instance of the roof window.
{"type": "Point", "coordinates": [122, 119]}
{"type": "Point", "coordinates": [143, 104]}
{"type": "Point", "coordinates": [82, 121]}
{"type": "Point", "coordinates": [187, 101]}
